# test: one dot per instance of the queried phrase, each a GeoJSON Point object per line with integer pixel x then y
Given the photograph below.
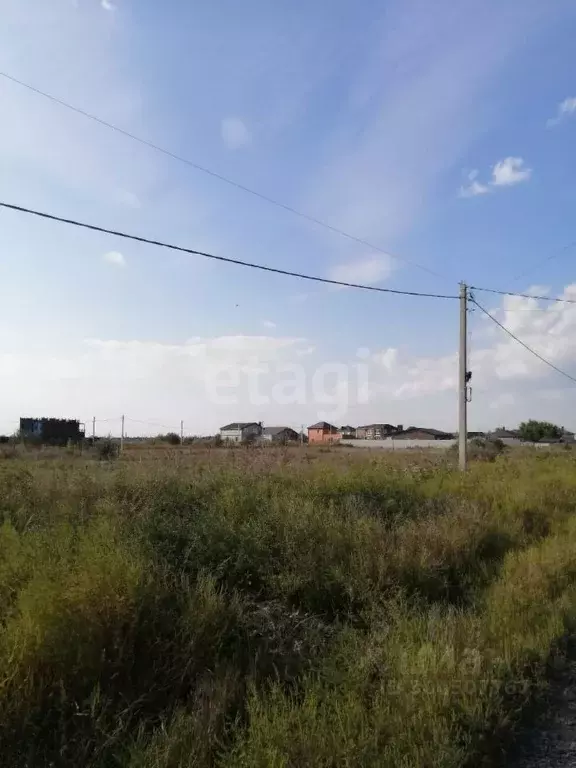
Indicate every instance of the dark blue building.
{"type": "Point", "coordinates": [52, 431]}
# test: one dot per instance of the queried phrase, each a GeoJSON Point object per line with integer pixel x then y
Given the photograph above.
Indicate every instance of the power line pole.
{"type": "Point", "coordinates": [463, 381]}
{"type": "Point", "coordinates": [122, 435]}
{"type": "Point", "coordinates": [93, 429]}
{"type": "Point", "coordinates": [182, 432]}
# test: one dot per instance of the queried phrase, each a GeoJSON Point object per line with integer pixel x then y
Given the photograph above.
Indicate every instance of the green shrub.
{"type": "Point", "coordinates": [171, 438]}
{"type": "Point", "coordinates": [107, 449]}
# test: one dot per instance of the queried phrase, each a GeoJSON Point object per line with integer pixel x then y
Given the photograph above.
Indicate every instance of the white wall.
{"type": "Point", "coordinates": [399, 445]}
{"type": "Point", "coordinates": [234, 435]}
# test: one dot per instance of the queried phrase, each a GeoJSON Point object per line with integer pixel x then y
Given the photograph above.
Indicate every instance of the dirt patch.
{"type": "Point", "coordinates": [551, 742]}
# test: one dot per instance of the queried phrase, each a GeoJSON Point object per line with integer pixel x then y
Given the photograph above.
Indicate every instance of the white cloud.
{"type": "Point", "coordinates": [475, 188]}
{"type": "Point", "coordinates": [144, 377]}
{"type": "Point", "coordinates": [510, 171]}
{"type": "Point", "coordinates": [149, 379]}
{"type": "Point", "coordinates": [268, 324]}
{"type": "Point", "coordinates": [108, 5]}
{"type": "Point", "coordinates": [369, 270]}
{"type": "Point", "coordinates": [506, 377]}
{"type": "Point", "coordinates": [565, 109]}
{"type": "Point", "coordinates": [376, 174]}
{"type": "Point", "coordinates": [505, 173]}
{"type": "Point", "coordinates": [568, 106]}
{"type": "Point", "coordinates": [234, 133]}
{"type": "Point", "coordinates": [115, 258]}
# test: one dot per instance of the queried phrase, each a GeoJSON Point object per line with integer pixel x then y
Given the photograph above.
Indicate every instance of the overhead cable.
{"type": "Point", "coordinates": [160, 244]}
{"type": "Point", "coordinates": [522, 295]}
{"type": "Point", "coordinates": [554, 255]}
{"type": "Point", "coordinates": [522, 343]}
{"type": "Point", "coordinates": [216, 175]}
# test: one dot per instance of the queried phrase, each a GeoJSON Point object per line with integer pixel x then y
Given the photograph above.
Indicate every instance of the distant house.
{"type": "Point", "coordinates": [53, 431]}
{"type": "Point", "coordinates": [241, 431]}
{"type": "Point", "coordinates": [322, 432]}
{"type": "Point", "coordinates": [505, 434]}
{"type": "Point", "coordinates": [279, 434]}
{"type": "Point", "coordinates": [423, 433]}
{"type": "Point", "coordinates": [378, 431]}
{"type": "Point", "coordinates": [567, 436]}
{"type": "Point", "coordinates": [347, 432]}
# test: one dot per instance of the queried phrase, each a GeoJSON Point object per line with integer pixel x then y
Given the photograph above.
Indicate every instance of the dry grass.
{"type": "Point", "coordinates": [278, 607]}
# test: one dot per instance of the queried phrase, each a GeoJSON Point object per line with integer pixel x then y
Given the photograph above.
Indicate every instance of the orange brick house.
{"type": "Point", "coordinates": [322, 432]}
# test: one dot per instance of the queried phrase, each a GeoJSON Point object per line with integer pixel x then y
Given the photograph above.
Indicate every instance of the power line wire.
{"type": "Point", "coordinates": [554, 255]}
{"type": "Point", "coordinates": [549, 311]}
{"type": "Point", "coordinates": [114, 418]}
{"type": "Point", "coordinates": [159, 243]}
{"type": "Point", "coordinates": [522, 343]}
{"type": "Point", "coordinates": [151, 423]}
{"type": "Point", "coordinates": [214, 174]}
{"type": "Point", "coordinates": [521, 295]}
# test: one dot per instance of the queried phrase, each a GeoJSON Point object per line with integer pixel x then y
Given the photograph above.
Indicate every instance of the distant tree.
{"type": "Point", "coordinates": [171, 438]}
{"type": "Point", "coordinates": [534, 431]}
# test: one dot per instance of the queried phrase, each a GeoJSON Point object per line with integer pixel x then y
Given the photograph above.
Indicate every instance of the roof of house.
{"type": "Point", "coordinates": [429, 430]}
{"type": "Point", "coordinates": [347, 428]}
{"type": "Point", "coordinates": [276, 430]}
{"type": "Point", "coordinates": [372, 426]}
{"type": "Point", "coordinates": [238, 425]}
{"type": "Point", "coordinates": [505, 433]}
{"type": "Point", "coordinates": [323, 425]}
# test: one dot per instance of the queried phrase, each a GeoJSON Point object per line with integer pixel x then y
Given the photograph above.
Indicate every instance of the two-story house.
{"type": "Point", "coordinates": [322, 432]}
{"type": "Point", "coordinates": [377, 431]}
{"type": "Point", "coordinates": [241, 431]}
{"type": "Point", "coordinates": [279, 434]}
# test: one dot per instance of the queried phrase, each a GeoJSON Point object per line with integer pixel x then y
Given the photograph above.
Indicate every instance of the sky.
{"type": "Point", "coordinates": [442, 134]}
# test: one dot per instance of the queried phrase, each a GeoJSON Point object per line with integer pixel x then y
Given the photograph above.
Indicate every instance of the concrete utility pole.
{"type": "Point", "coordinates": [463, 381]}
{"type": "Point", "coordinates": [182, 432]}
{"type": "Point", "coordinates": [122, 436]}
{"type": "Point", "coordinates": [93, 429]}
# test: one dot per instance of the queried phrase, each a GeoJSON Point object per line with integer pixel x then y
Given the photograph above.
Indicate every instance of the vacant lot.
{"type": "Point", "coordinates": [280, 608]}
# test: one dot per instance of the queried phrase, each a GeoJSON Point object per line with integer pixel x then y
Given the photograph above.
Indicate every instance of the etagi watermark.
{"type": "Point", "coordinates": [331, 386]}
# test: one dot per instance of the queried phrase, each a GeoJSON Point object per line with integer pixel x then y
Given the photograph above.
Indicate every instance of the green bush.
{"type": "Point", "coordinates": [171, 438]}
{"type": "Point", "coordinates": [482, 449]}
{"type": "Point", "coordinates": [107, 449]}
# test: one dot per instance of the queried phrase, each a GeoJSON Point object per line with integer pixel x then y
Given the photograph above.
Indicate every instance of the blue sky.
{"type": "Point", "coordinates": [441, 132]}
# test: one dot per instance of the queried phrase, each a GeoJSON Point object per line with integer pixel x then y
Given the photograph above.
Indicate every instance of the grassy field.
{"type": "Point", "coordinates": [278, 607]}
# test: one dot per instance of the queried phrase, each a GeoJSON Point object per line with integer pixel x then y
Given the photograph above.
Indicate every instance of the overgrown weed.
{"type": "Point", "coordinates": [277, 608]}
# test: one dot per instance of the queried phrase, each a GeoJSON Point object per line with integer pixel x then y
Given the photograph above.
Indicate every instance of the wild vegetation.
{"type": "Point", "coordinates": [180, 607]}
